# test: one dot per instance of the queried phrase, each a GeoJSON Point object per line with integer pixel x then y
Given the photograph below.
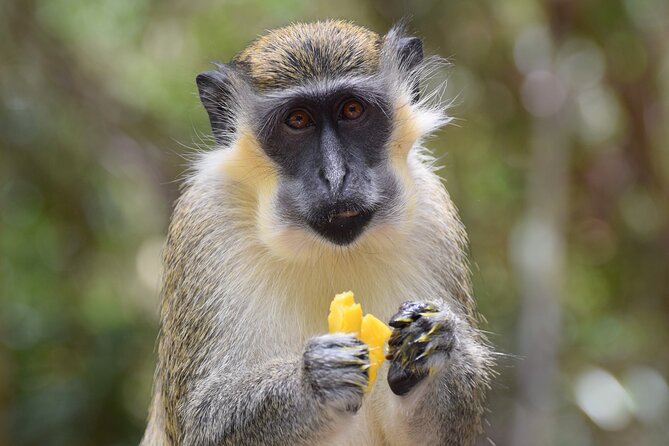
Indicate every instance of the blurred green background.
{"type": "Point", "coordinates": [558, 162]}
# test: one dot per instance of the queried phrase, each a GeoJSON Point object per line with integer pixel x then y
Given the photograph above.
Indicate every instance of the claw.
{"type": "Point", "coordinates": [360, 363]}
{"type": "Point", "coordinates": [361, 355]}
{"type": "Point", "coordinates": [401, 321]}
{"type": "Point", "coordinates": [422, 338]}
{"type": "Point", "coordinates": [428, 313]}
{"type": "Point", "coordinates": [427, 352]}
{"type": "Point", "coordinates": [434, 328]}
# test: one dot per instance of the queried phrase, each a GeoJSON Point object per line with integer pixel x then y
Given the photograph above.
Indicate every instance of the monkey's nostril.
{"type": "Point", "coordinates": [346, 176]}
{"type": "Point", "coordinates": [324, 179]}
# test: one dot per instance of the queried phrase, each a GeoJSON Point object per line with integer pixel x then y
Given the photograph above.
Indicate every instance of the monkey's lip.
{"type": "Point", "coordinates": [347, 214]}
{"type": "Point", "coordinates": [343, 226]}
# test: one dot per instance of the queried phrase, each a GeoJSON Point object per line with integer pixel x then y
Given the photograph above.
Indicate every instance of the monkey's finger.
{"type": "Point", "coordinates": [401, 379]}
{"type": "Point", "coordinates": [410, 312]}
{"type": "Point", "coordinates": [397, 338]}
{"type": "Point", "coordinates": [413, 344]}
{"type": "Point", "coordinates": [402, 338]}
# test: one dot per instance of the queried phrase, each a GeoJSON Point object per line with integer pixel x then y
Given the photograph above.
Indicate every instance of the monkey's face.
{"type": "Point", "coordinates": [317, 122]}
{"type": "Point", "coordinates": [330, 147]}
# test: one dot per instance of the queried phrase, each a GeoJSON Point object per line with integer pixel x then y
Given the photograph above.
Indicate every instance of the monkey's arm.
{"type": "Point", "coordinates": [284, 401]}
{"type": "Point", "coordinates": [437, 378]}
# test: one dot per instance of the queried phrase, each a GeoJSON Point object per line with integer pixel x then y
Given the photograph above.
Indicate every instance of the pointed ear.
{"type": "Point", "coordinates": [217, 95]}
{"type": "Point", "coordinates": [410, 50]}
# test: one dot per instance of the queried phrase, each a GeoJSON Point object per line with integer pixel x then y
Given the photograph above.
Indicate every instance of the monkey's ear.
{"type": "Point", "coordinates": [216, 94]}
{"type": "Point", "coordinates": [410, 51]}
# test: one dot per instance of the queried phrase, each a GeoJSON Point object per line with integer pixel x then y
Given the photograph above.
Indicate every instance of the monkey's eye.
{"type": "Point", "coordinates": [352, 109]}
{"type": "Point", "coordinates": [299, 119]}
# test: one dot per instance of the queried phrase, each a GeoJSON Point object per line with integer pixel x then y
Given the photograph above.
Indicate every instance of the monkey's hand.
{"type": "Point", "coordinates": [438, 356]}
{"type": "Point", "coordinates": [336, 368]}
{"type": "Point", "coordinates": [422, 339]}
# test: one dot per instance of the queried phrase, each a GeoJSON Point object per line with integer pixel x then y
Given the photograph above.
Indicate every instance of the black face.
{"type": "Point", "coordinates": [331, 150]}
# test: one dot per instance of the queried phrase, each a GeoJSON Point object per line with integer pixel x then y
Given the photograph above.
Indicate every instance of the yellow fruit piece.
{"type": "Point", "coordinates": [344, 299]}
{"type": "Point", "coordinates": [374, 333]}
{"type": "Point", "coordinates": [352, 319]}
{"type": "Point", "coordinates": [346, 317]}
{"type": "Point", "coordinates": [335, 318]}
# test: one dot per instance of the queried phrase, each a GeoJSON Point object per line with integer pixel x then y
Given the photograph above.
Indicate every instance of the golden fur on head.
{"type": "Point", "coordinates": [287, 56]}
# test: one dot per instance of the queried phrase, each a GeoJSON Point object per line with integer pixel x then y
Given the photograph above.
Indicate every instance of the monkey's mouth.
{"type": "Point", "coordinates": [341, 224]}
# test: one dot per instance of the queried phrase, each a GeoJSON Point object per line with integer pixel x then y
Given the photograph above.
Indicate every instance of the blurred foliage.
{"type": "Point", "coordinates": [98, 113]}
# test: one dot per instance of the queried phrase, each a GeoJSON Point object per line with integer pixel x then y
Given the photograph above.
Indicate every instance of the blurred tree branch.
{"type": "Point", "coordinates": [539, 254]}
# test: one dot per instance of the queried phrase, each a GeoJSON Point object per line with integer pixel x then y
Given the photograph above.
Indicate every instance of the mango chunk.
{"type": "Point", "coordinates": [346, 317]}
{"type": "Point", "coordinates": [352, 319]}
{"type": "Point", "coordinates": [335, 318]}
{"type": "Point", "coordinates": [374, 333]}
{"type": "Point", "coordinates": [344, 299]}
